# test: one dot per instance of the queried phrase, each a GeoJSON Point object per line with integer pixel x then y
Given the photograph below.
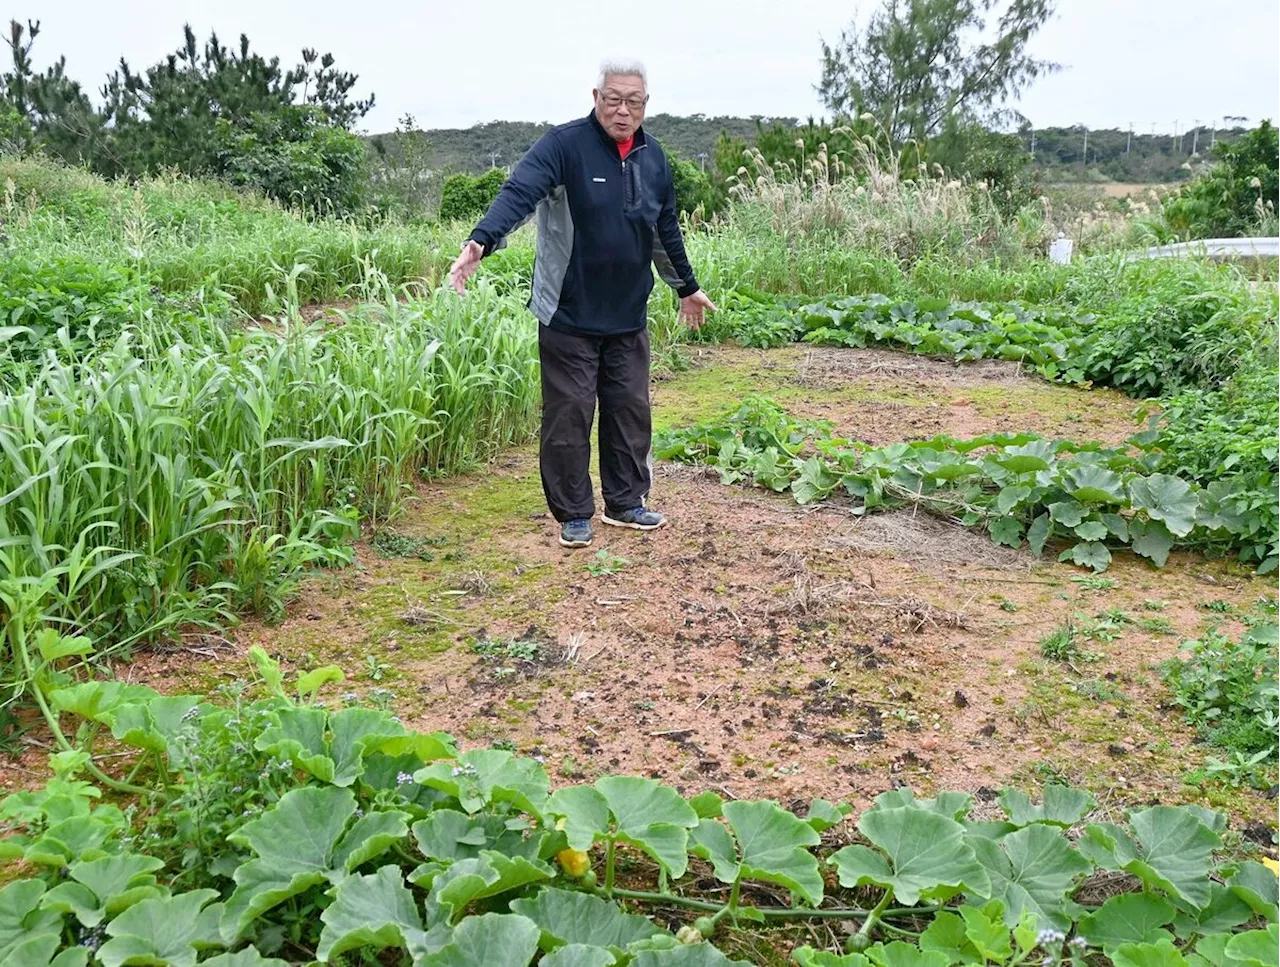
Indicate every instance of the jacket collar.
{"type": "Point", "coordinates": [640, 136]}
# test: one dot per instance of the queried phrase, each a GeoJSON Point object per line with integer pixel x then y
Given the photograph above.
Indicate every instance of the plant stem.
{"type": "Point", "coordinates": [608, 870]}
{"type": "Point", "coordinates": [775, 913]}
{"type": "Point", "coordinates": [55, 728]}
{"type": "Point", "coordinates": [876, 913]}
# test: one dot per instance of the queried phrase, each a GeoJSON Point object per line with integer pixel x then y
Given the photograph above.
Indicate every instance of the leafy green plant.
{"type": "Point", "coordinates": [1239, 193]}
{"type": "Point", "coordinates": [1228, 690]}
{"type": "Point", "coordinates": [1095, 582]}
{"type": "Point", "coordinates": [468, 197]}
{"type": "Point", "coordinates": [1019, 487]}
{"type": "Point", "coordinates": [604, 564]}
{"type": "Point", "coordinates": [274, 822]}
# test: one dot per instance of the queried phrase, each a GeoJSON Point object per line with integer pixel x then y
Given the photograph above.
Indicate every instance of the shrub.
{"type": "Point", "coordinates": [1237, 196]}
{"type": "Point", "coordinates": [296, 157]}
{"type": "Point", "coordinates": [464, 196]}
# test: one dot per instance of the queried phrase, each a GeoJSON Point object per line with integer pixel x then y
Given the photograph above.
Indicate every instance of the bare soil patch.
{"type": "Point", "coordinates": [756, 647]}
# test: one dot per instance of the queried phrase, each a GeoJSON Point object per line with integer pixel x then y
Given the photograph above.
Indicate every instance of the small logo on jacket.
{"type": "Point", "coordinates": [598, 180]}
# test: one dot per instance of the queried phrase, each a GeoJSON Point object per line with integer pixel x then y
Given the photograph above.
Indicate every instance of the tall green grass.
{"type": "Point", "coordinates": [169, 482]}
{"type": "Point", "coordinates": [182, 234]}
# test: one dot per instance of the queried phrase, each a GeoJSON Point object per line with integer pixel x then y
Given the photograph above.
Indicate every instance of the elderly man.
{"type": "Point", "coordinates": [606, 209]}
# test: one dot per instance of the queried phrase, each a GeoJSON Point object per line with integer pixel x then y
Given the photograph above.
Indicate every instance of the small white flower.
{"type": "Point", "coordinates": [403, 779]}
{"type": "Point", "coordinates": [1254, 182]}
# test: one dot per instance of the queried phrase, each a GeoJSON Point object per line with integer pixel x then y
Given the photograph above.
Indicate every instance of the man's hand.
{"type": "Point", "coordinates": [693, 309]}
{"type": "Point", "coordinates": [465, 265]}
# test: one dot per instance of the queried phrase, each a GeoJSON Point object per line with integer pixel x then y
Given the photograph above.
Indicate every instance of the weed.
{"type": "Point", "coordinates": [604, 564]}
{"type": "Point", "coordinates": [374, 670]}
{"type": "Point", "coordinates": [1095, 582]}
{"type": "Point", "coordinates": [1060, 645]}
{"type": "Point", "coordinates": [389, 544]}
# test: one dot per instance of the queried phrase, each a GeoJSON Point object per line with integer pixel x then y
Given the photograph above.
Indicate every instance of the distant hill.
{"type": "Point", "coordinates": [1113, 154]}
{"type": "Point", "coordinates": [502, 143]}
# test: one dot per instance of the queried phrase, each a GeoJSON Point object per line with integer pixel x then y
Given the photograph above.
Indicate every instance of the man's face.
{"type": "Point", "coordinates": [620, 105]}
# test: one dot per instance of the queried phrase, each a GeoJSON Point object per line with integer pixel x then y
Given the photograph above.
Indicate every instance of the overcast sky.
{"type": "Point", "coordinates": [453, 64]}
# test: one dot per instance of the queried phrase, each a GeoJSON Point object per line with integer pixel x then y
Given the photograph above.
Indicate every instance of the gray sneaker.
{"type": "Point", "coordinates": [575, 533]}
{"type": "Point", "coordinates": [639, 518]}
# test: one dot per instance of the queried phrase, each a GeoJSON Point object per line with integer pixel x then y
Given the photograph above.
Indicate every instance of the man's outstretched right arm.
{"type": "Point", "coordinates": [534, 178]}
{"type": "Point", "coordinates": [538, 172]}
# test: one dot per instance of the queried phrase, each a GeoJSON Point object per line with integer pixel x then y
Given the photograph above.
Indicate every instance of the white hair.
{"type": "Point", "coordinates": [622, 68]}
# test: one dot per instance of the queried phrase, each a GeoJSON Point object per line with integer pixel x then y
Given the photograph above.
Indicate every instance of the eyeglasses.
{"type": "Point", "coordinates": [636, 103]}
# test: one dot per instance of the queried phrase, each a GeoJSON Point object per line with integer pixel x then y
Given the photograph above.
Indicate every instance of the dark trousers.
{"type": "Point", "coordinates": [576, 371]}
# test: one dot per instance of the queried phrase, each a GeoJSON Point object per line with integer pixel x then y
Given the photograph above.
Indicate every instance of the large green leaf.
{"type": "Point", "coordinates": [353, 731]}
{"type": "Point", "coordinates": [1224, 911]}
{"type": "Point", "coordinates": [1173, 851]}
{"type": "Point", "coordinates": [927, 853]}
{"type": "Point", "coordinates": [946, 934]}
{"type": "Point", "coordinates": [372, 911]}
{"type": "Point", "coordinates": [1068, 513]}
{"type": "Point", "coordinates": [822, 815]}
{"type": "Point", "coordinates": [40, 950]}
{"type": "Point", "coordinates": [1159, 954]}
{"type": "Point", "coordinates": [685, 955]}
{"type": "Point", "coordinates": [488, 874]}
{"type": "Point", "coordinates": [1211, 951]}
{"type": "Point", "coordinates": [1035, 870]}
{"type": "Point", "coordinates": [713, 842]}
{"type": "Point", "coordinates": [642, 812]}
{"type": "Point", "coordinates": [771, 846]}
{"type": "Point", "coordinates": [75, 837]}
{"type": "Point", "coordinates": [1177, 852]}
{"type": "Point", "coordinates": [1128, 918]}
{"type": "Point", "coordinates": [164, 930]}
{"type": "Point", "coordinates": [815, 482]}
{"type": "Point", "coordinates": [1256, 948]}
{"type": "Point", "coordinates": [1151, 539]}
{"type": "Point", "coordinates": [332, 746]}
{"type": "Point", "coordinates": [1090, 554]}
{"type": "Point", "coordinates": [484, 776]}
{"type": "Point", "coordinates": [1094, 485]}
{"type": "Point", "coordinates": [21, 917]}
{"type": "Point", "coordinates": [1063, 806]}
{"type": "Point", "coordinates": [1038, 534]}
{"type": "Point", "coordinates": [985, 929]}
{"type": "Point", "coordinates": [94, 700]}
{"type": "Point", "coordinates": [299, 736]}
{"type": "Point", "coordinates": [153, 725]}
{"type": "Point", "coordinates": [299, 843]}
{"type": "Point", "coordinates": [489, 940]}
{"type": "Point", "coordinates": [578, 955]}
{"type": "Point", "coordinates": [369, 836]}
{"type": "Point", "coordinates": [447, 835]}
{"type": "Point", "coordinates": [103, 887]}
{"type": "Point", "coordinates": [569, 917]}
{"type": "Point", "coordinates": [1028, 458]}
{"type": "Point", "coordinates": [899, 954]}
{"type": "Point", "coordinates": [249, 957]}
{"type": "Point", "coordinates": [1257, 886]}
{"type": "Point", "coordinates": [1166, 498]}
{"type": "Point", "coordinates": [808, 957]}
{"type": "Point", "coordinates": [953, 805]}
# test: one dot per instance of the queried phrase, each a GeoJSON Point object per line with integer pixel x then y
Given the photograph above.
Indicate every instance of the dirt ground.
{"type": "Point", "coordinates": [762, 649]}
